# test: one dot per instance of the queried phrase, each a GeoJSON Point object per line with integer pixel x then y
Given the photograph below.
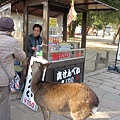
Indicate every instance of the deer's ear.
{"type": "Point", "coordinates": [41, 64]}
{"type": "Point", "coordinates": [48, 64]}
{"type": "Point", "coordinates": [33, 63]}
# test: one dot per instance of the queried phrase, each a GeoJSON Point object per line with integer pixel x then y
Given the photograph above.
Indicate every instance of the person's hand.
{"type": "Point", "coordinates": [33, 48]}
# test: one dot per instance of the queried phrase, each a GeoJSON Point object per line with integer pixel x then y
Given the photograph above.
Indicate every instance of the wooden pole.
{"type": "Point", "coordinates": [83, 40]}
{"type": "Point", "coordinates": [46, 8]}
{"type": "Point", "coordinates": [107, 58]}
{"type": "Point", "coordinates": [65, 27]}
{"type": "Point", "coordinates": [25, 63]}
{"type": "Point", "coordinates": [25, 27]}
{"type": "Point", "coordinates": [84, 22]}
{"type": "Point", "coordinates": [97, 61]}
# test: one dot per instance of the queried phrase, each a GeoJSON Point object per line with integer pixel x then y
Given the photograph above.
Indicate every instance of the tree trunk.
{"type": "Point", "coordinates": [72, 28]}
{"type": "Point", "coordinates": [115, 36]}
{"type": "Point", "coordinates": [69, 28]}
{"type": "Point", "coordinates": [103, 34]}
{"type": "Point", "coordinates": [73, 31]}
{"type": "Point", "coordinates": [92, 32]}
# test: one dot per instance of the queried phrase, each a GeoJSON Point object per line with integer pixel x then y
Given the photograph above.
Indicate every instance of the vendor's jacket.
{"type": "Point", "coordinates": [32, 43]}
{"type": "Point", "coordinates": [10, 51]}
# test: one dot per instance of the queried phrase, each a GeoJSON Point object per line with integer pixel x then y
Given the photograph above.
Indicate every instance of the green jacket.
{"type": "Point", "coordinates": [31, 43]}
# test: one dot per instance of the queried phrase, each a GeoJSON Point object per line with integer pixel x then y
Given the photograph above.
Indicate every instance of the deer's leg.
{"type": "Point", "coordinates": [46, 114]}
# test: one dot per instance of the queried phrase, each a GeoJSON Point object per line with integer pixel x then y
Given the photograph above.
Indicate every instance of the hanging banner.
{"type": "Point", "coordinates": [72, 15]}
{"type": "Point", "coordinates": [5, 11]}
{"type": "Point", "coordinates": [118, 54]}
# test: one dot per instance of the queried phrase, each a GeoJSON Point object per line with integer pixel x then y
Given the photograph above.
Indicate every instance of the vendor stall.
{"type": "Point", "coordinates": [67, 61]}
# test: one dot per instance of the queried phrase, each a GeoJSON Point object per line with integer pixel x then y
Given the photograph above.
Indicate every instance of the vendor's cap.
{"type": "Point", "coordinates": [6, 24]}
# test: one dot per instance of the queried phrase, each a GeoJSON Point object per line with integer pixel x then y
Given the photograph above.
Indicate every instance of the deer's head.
{"type": "Point", "coordinates": [38, 67]}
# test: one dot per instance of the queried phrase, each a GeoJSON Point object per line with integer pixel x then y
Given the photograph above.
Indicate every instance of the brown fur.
{"type": "Point", "coordinates": [75, 99]}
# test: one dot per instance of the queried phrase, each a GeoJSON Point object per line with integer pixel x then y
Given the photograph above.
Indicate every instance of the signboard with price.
{"type": "Point", "coordinates": [68, 74]}
{"type": "Point", "coordinates": [28, 97]}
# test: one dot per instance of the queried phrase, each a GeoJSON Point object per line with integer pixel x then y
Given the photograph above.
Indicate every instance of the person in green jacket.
{"type": "Point", "coordinates": [34, 39]}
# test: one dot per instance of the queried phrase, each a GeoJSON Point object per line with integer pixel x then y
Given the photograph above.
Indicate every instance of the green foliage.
{"type": "Point", "coordinates": [100, 19]}
{"type": "Point", "coordinates": [114, 15]}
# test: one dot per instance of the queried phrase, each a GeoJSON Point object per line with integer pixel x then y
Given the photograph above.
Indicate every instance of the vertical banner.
{"type": "Point", "coordinates": [118, 52]}
{"type": "Point", "coordinates": [5, 10]}
{"type": "Point", "coordinates": [28, 97]}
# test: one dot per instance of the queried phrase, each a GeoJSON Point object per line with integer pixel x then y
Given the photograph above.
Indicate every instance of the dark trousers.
{"type": "Point", "coordinates": [5, 103]}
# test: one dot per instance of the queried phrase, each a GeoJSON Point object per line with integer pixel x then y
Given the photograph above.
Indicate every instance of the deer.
{"type": "Point", "coordinates": [74, 99]}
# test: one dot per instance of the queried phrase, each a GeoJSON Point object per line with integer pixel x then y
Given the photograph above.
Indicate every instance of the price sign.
{"type": "Point", "coordinates": [53, 22]}
{"type": "Point", "coordinates": [67, 75]}
{"type": "Point", "coordinates": [28, 97]}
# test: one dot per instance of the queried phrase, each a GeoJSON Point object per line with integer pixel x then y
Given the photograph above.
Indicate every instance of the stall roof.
{"type": "Point", "coordinates": [85, 5]}
{"type": "Point", "coordinates": [80, 5]}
